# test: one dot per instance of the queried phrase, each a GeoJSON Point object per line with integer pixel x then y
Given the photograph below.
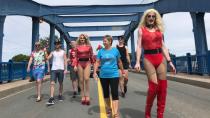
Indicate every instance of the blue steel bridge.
{"type": "Point", "coordinates": [58, 16]}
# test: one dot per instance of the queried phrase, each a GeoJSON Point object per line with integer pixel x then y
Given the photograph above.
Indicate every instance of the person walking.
{"type": "Point", "coordinates": [108, 58]}
{"type": "Point", "coordinates": [59, 68]}
{"type": "Point", "coordinates": [155, 57]}
{"type": "Point", "coordinates": [125, 58]}
{"type": "Point", "coordinates": [38, 58]}
{"type": "Point", "coordinates": [84, 60]}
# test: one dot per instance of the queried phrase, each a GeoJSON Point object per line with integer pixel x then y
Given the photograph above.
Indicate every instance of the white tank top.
{"type": "Point", "coordinates": [58, 60]}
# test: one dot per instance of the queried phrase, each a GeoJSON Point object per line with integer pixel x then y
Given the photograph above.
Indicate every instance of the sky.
{"type": "Point", "coordinates": [178, 34]}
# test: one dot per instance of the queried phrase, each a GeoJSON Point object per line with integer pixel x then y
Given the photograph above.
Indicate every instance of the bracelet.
{"type": "Point", "coordinates": [168, 61]}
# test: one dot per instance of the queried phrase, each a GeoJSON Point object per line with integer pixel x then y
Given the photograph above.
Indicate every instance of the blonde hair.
{"type": "Point", "coordinates": [87, 40]}
{"type": "Point", "coordinates": [158, 19]}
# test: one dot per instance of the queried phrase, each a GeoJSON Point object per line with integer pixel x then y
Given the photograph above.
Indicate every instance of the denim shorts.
{"type": "Point", "coordinates": [57, 75]}
{"type": "Point", "coordinates": [39, 72]}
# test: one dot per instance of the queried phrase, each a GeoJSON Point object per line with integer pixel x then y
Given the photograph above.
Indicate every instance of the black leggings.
{"type": "Point", "coordinates": [113, 83]}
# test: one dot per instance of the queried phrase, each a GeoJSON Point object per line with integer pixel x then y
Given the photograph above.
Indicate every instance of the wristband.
{"type": "Point", "coordinates": [168, 61]}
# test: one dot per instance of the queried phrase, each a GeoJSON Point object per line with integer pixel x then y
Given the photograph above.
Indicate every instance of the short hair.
{"type": "Point", "coordinates": [109, 38]}
{"type": "Point", "coordinates": [121, 37]}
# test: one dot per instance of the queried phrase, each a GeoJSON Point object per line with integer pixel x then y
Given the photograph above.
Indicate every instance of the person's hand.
{"type": "Point", "coordinates": [130, 67]}
{"type": "Point", "coordinates": [75, 68]}
{"type": "Point", "coordinates": [173, 69]}
{"type": "Point", "coordinates": [95, 76]}
{"type": "Point", "coordinates": [137, 67]}
{"type": "Point", "coordinates": [28, 70]}
{"type": "Point", "coordinates": [65, 72]}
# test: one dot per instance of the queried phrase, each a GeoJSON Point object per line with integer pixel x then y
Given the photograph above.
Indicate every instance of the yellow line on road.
{"type": "Point", "coordinates": [101, 101]}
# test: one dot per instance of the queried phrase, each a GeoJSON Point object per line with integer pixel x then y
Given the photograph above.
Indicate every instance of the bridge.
{"type": "Point", "coordinates": [59, 16]}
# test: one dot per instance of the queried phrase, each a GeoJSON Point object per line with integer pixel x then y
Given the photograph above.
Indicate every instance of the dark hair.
{"type": "Point", "coordinates": [121, 37]}
{"type": "Point", "coordinates": [57, 41]}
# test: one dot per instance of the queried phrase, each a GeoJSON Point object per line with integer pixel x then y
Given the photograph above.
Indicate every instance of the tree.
{"type": "Point", "coordinates": [20, 57]}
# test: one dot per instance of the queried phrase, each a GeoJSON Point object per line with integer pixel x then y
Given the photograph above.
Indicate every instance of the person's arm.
{"type": "Point", "coordinates": [50, 56]}
{"type": "Point", "coordinates": [29, 64]}
{"type": "Point", "coordinates": [65, 62]}
{"type": "Point", "coordinates": [167, 57]}
{"type": "Point", "coordinates": [138, 50]}
{"type": "Point", "coordinates": [92, 60]}
{"type": "Point", "coordinates": [96, 65]}
{"type": "Point", "coordinates": [128, 56]}
{"type": "Point", "coordinates": [121, 66]}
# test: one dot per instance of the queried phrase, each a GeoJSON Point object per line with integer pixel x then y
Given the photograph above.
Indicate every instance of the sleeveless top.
{"type": "Point", "coordinates": [58, 60]}
{"type": "Point", "coordinates": [123, 53]}
{"type": "Point", "coordinates": [151, 40]}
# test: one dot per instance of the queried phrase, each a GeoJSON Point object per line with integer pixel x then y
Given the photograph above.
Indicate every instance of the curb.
{"type": "Point", "coordinates": [185, 80]}
{"type": "Point", "coordinates": [23, 84]}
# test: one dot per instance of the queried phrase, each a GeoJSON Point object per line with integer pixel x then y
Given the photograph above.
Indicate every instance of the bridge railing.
{"type": "Point", "coordinates": [10, 71]}
{"type": "Point", "coordinates": [193, 64]}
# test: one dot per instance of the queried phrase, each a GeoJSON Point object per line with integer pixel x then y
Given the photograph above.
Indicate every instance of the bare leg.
{"type": "Point", "coordinates": [39, 83]}
{"type": "Point", "coordinates": [87, 86]}
{"type": "Point", "coordinates": [52, 89]}
{"type": "Point", "coordinates": [115, 106]}
{"type": "Point", "coordinates": [81, 81]}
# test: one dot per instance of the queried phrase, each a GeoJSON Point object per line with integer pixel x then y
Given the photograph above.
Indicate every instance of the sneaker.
{"type": "Point", "coordinates": [79, 90]}
{"type": "Point", "coordinates": [60, 98]}
{"type": "Point", "coordinates": [123, 94]}
{"type": "Point", "coordinates": [125, 89]}
{"type": "Point", "coordinates": [51, 101]}
{"type": "Point", "coordinates": [74, 94]}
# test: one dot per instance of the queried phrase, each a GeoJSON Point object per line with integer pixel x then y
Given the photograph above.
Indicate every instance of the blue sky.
{"type": "Point", "coordinates": [178, 30]}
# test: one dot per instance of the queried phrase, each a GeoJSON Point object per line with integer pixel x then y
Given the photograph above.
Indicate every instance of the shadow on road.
{"type": "Point", "coordinates": [44, 96]}
{"type": "Point", "coordinates": [131, 113]}
{"type": "Point", "coordinates": [93, 109]}
{"type": "Point", "coordinates": [141, 93]}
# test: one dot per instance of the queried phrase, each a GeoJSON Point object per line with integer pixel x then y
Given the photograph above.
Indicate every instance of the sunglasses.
{"type": "Point", "coordinates": [151, 16]}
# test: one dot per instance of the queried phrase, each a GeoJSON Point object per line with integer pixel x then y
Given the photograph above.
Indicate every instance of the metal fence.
{"type": "Point", "coordinates": [10, 71]}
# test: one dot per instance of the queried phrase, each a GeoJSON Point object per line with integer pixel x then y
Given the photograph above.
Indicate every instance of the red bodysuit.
{"type": "Point", "coordinates": [84, 55]}
{"type": "Point", "coordinates": [72, 57]}
{"type": "Point", "coordinates": [152, 41]}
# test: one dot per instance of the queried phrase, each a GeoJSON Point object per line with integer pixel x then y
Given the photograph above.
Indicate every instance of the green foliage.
{"type": "Point", "coordinates": [20, 57]}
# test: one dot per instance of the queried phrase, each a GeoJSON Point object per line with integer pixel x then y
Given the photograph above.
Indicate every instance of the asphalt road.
{"type": "Point", "coordinates": [183, 101]}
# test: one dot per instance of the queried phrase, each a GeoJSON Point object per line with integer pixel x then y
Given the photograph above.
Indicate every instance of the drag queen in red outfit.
{"type": "Point", "coordinates": [84, 59]}
{"type": "Point", "coordinates": [155, 57]}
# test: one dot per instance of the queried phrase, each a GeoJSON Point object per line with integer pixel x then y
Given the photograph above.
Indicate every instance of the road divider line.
{"type": "Point", "coordinates": [101, 101]}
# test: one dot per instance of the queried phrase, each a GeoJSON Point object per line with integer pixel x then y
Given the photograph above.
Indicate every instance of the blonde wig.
{"type": "Point", "coordinates": [87, 40]}
{"type": "Point", "coordinates": [158, 19]}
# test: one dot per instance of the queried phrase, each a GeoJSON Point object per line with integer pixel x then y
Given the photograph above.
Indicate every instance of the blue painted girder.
{"type": "Point", "coordinates": [95, 38]}
{"type": "Point", "coordinates": [105, 18]}
{"type": "Point", "coordinates": [95, 28]}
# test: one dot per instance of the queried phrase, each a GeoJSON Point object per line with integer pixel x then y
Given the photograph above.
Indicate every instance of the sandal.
{"type": "Point", "coordinates": [116, 115]}
{"type": "Point", "coordinates": [108, 112]}
{"type": "Point", "coordinates": [38, 99]}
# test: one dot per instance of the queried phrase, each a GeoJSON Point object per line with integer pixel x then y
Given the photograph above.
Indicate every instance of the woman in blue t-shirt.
{"type": "Point", "coordinates": [109, 58]}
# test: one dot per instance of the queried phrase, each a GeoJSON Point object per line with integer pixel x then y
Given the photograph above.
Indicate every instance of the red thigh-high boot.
{"type": "Point", "coordinates": [161, 97]}
{"type": "Point", "coordinates": [151, 94]}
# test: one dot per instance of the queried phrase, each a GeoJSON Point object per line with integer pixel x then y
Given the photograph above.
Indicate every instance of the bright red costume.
{"type": "Point", "coordinates": [84, 55]}
{"type": "Point", "coordinates": [152, 43]}
{"type": "Point", "coordinates": [72, 57]}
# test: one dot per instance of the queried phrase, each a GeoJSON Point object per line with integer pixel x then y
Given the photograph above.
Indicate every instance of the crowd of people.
{"type": "Point", "coordinates": [114, 63]}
